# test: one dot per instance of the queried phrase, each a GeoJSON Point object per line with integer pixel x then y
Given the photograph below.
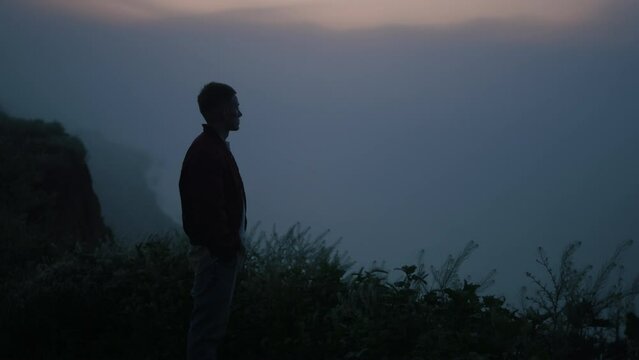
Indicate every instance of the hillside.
{"type": "Point", "coordinates": [47, 202]}
{"type": "Point", "coordinates": [120, 179]}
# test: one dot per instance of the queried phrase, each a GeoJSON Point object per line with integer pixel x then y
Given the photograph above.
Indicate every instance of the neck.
{"type": "Point", "coordinates": [219, 130]}
{"type": "Point", "coordinates": [222, 133]}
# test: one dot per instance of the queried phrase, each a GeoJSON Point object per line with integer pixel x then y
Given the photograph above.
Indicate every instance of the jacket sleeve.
{"type": "Point", "coordinates": [204, 213]}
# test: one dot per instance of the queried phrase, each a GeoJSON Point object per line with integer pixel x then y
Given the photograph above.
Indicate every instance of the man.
{"type": "Point", "coordinates": [214, 218]}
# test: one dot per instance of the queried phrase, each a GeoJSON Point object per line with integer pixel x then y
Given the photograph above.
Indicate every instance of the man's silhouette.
{"type": "Point", "coordinates": [214, 218]}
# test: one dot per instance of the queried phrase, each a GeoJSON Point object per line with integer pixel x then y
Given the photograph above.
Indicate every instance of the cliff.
{"type": "Point", "coordinates": [121, 181]}
{"type": "Point", "coordinates": [47, 202]}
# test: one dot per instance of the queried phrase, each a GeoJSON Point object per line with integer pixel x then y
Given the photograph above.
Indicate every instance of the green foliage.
{"type": "Point", "coordinates": [447, 276]}
{"type": "Point", "coordinates": [578, 313]}
{"type": "Point", "coordinates": [290, 283]}
{"type": "Point", "coordinates": [381, 319]}
{"type": "Point", "coordinates": [296, 299]}
{"type": "Point", "coordinates": [112, 303]}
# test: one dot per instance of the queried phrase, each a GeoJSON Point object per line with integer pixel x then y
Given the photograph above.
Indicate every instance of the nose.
{"type": "Point", "coordinates": [239, 113]}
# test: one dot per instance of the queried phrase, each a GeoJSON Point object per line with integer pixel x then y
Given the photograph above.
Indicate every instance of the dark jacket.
{"type": "Point", "coordinates": [212, 195]}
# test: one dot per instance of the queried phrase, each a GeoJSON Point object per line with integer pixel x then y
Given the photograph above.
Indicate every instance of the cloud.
{"type": "Point", "coordinates": [144, 10]}
{"type": "Point", "coordinates": [340, 14]}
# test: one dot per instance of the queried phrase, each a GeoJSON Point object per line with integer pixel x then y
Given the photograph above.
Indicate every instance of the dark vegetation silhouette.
{"type": "Point", "coordinates": [298, 298]}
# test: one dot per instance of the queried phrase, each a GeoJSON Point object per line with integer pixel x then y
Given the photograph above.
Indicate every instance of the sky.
{"type": "Point", "coordinates": [514, 124]}
{"type": "Point", "coordinates": [350, 14]}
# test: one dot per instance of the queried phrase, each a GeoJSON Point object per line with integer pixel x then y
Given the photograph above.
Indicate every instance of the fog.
{"type": "Point", "coordinates": [511, 134]}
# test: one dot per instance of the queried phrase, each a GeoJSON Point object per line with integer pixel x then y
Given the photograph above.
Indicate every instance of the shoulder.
{"type": "Point", "coordinates": [204, 148]}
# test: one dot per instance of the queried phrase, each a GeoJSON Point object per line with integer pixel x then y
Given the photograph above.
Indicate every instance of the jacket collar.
{"type": "Point", "coordinates": [211, 132]}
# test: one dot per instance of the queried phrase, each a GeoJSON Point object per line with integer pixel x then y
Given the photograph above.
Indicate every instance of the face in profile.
{"type": "Point", "coordinates": [233, 115]}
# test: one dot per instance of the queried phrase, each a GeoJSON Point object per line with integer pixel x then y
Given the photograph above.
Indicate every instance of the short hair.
{"type": "Point", "coordinates": [213, 97]}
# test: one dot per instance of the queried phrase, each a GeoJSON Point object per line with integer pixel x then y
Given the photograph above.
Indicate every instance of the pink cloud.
{"type": "Point", "coordinates": [341, 14]}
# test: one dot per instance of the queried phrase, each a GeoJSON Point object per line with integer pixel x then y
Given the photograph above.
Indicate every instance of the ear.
{"type": "Point", "coordinates": [225, 111]}
{"type": "Point", "coordinates": [215, 115]}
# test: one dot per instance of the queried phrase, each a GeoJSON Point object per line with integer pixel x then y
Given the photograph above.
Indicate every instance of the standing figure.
{"type": "Point", "coordinates": [214, 218]}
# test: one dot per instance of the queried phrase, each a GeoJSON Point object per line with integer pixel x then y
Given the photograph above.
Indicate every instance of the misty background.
{"type": "Point", "coordinates": [512, 133]}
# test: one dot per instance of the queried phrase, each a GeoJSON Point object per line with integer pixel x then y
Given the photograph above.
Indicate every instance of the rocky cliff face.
{"type": "Point", "coordinates": [47, 202]}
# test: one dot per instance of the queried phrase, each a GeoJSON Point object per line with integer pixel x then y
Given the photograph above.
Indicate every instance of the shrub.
{"type": "Point", "coordinates": [296, 299]}
{"type": "Point", "coordinates": [576, 313]}
{"type": "Point", "coordinates": [112, 303]}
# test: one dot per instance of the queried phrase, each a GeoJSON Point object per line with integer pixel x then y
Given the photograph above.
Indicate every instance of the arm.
{"type": "Point", "coordinates": [203, 204]}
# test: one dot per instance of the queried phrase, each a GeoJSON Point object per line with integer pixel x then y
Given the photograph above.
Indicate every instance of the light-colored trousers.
{"type": "Point", "coordinates": [212, 293]}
